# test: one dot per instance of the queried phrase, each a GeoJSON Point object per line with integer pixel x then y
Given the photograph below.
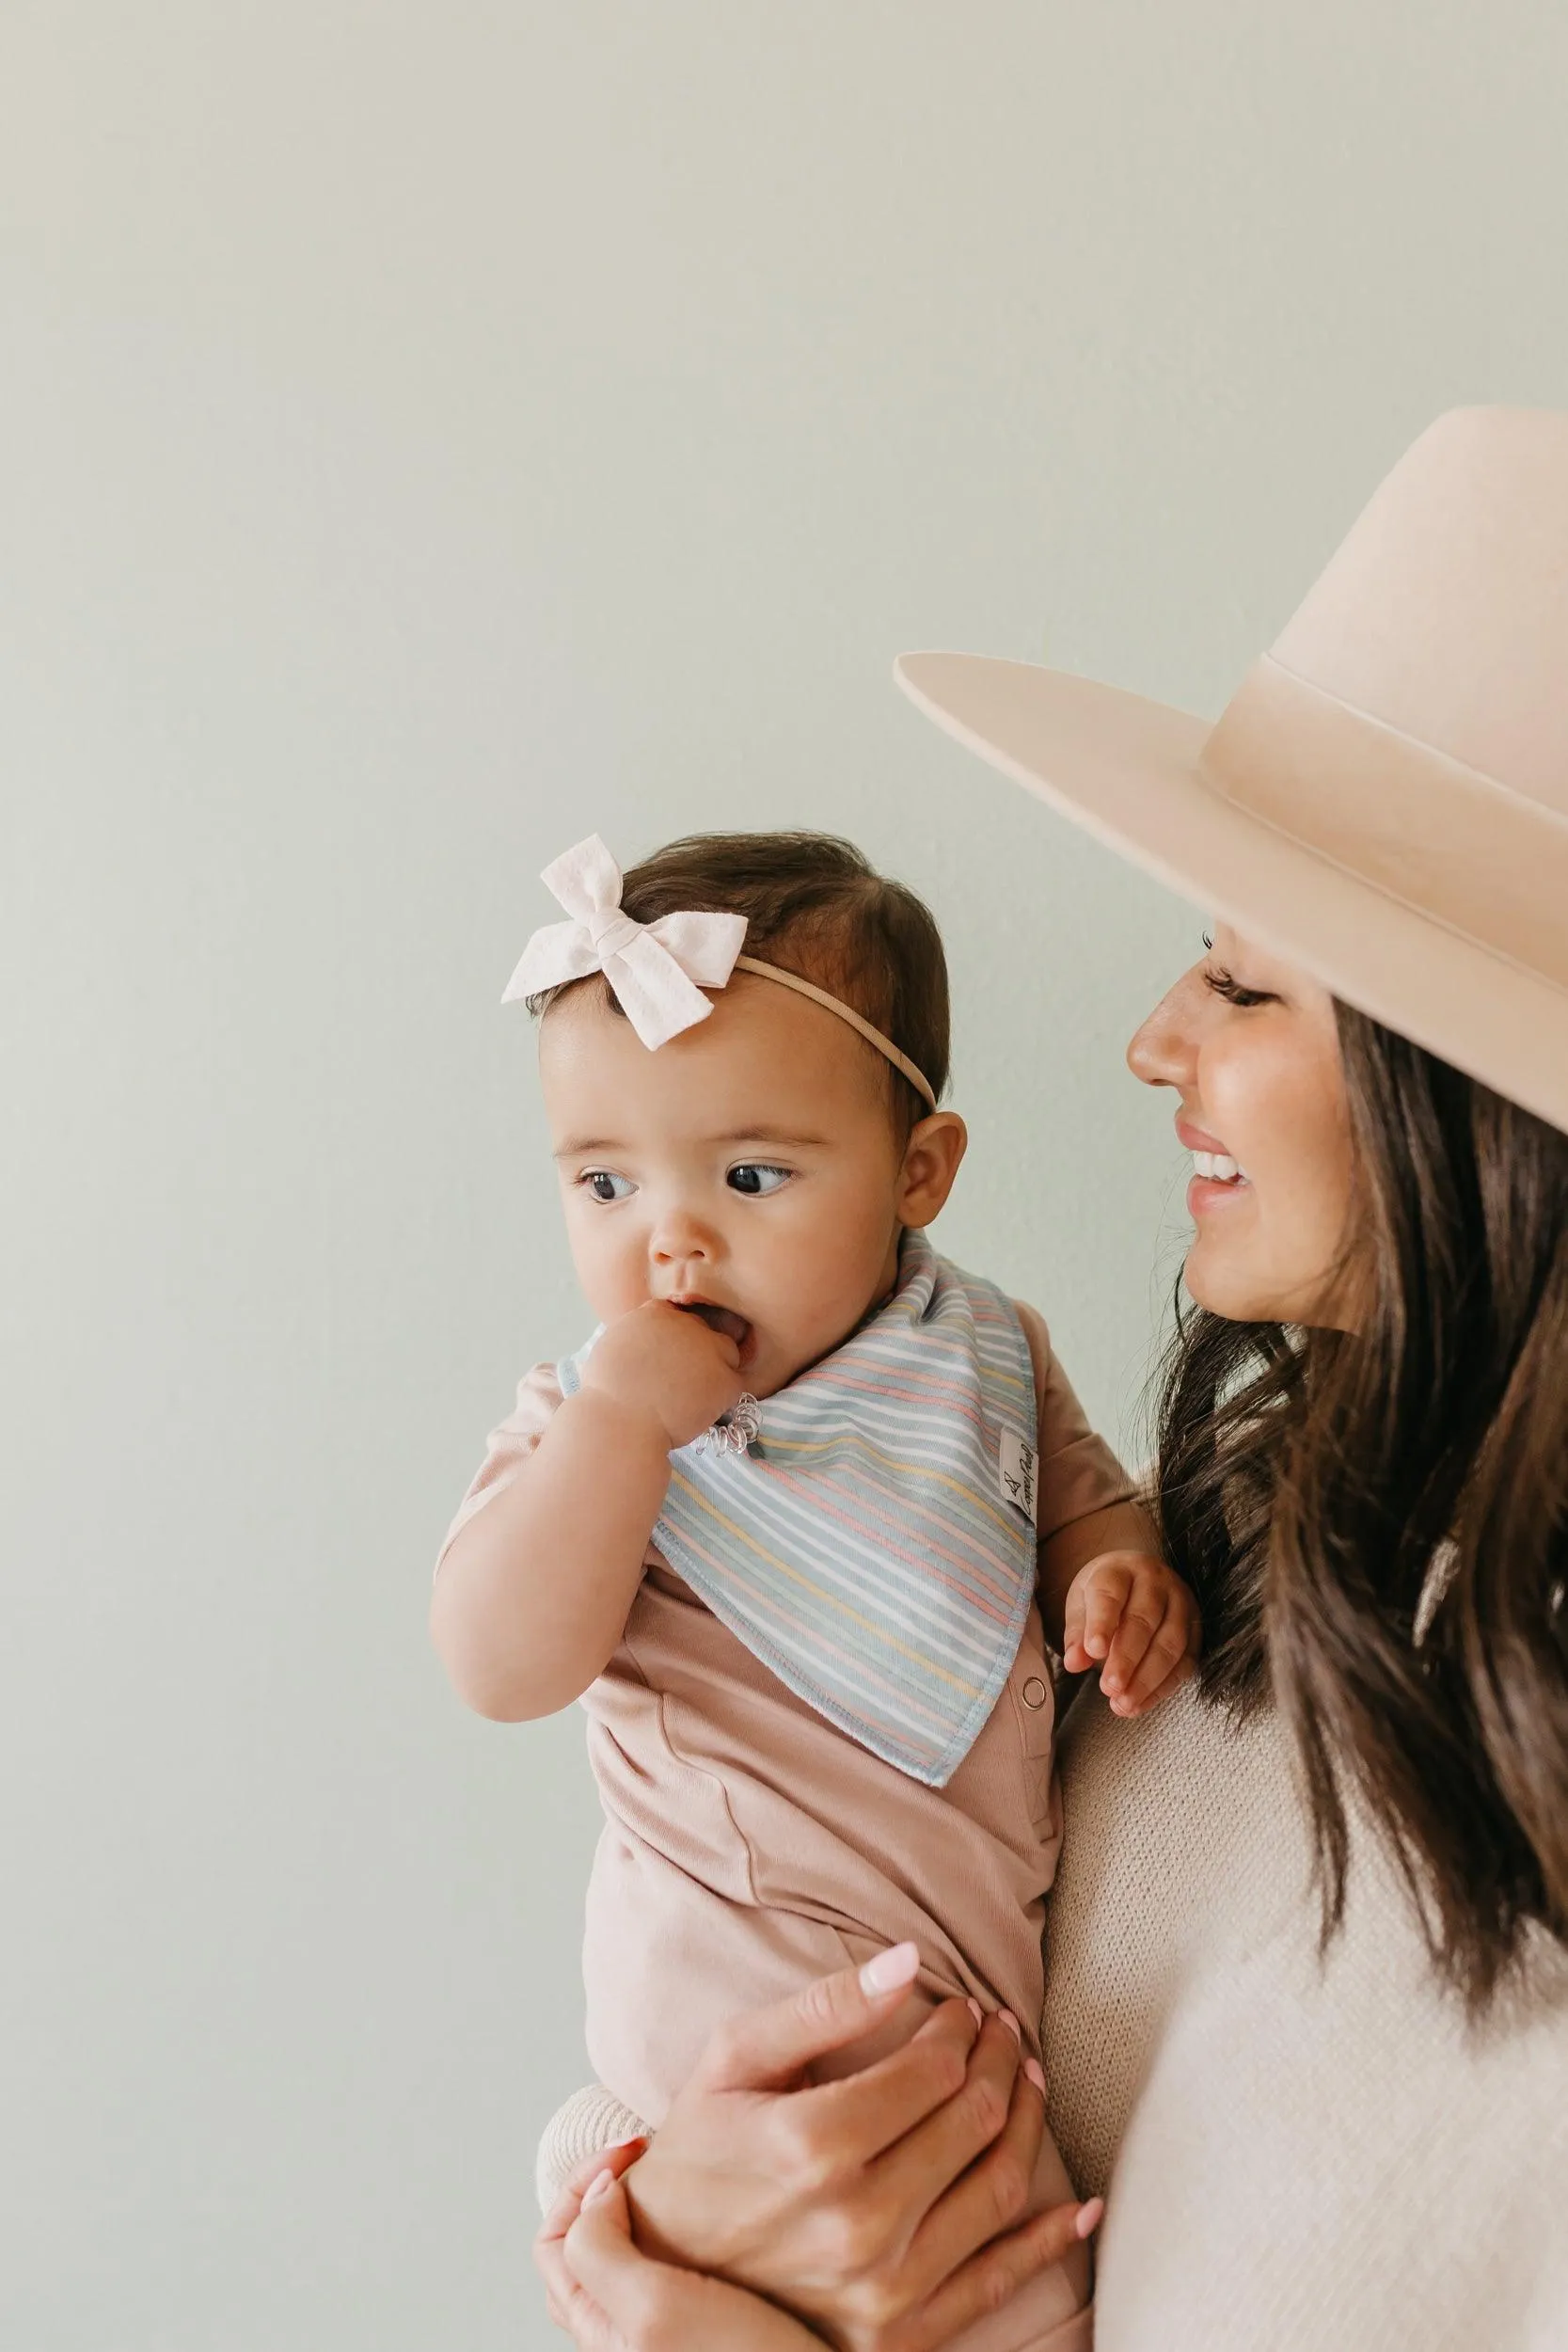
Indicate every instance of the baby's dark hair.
{"type": "Point", "coordinates": [814, 906]}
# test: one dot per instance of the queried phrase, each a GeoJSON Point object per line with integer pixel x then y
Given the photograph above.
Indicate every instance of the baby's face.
{"type": "Point", "coordinates": [751, 1166]}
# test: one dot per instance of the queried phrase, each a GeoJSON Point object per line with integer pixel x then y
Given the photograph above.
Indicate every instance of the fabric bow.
{"type": "Point", "coordinates": [657, 970]}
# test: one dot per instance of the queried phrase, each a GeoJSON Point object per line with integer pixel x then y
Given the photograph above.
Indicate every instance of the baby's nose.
{"type": "Point", "coordinates": [679, 1236]}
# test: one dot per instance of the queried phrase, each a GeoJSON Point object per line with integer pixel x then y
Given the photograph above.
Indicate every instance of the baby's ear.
{"type": "Point", "coordinates": [931, 1158]}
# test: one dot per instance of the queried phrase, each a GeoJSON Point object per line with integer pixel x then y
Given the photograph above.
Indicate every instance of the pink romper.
{"type": "Point", "coordinates": [750, 1845]}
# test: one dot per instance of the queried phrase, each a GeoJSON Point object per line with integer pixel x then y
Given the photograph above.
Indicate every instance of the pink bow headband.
{"type": "Point", "coordinates": [657, 970]}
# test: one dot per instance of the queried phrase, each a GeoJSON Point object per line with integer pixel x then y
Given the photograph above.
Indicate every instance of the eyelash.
{"type": "Point", "coordinates": [1231, 989]}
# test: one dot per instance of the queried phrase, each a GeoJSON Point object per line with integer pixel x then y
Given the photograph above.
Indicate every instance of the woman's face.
{"type": "Point", "coordinates": [1251, 1047]}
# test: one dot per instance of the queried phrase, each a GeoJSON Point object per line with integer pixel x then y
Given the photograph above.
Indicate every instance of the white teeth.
{"type": "Point", "coordinates": [1218, 1166]}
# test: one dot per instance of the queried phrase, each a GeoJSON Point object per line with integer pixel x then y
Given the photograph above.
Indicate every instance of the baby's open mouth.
{"type": "Point", "coordinates": [724, 1319]}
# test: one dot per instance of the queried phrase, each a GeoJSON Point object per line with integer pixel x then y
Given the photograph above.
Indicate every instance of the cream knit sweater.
{"type": "Point", "coordinates": [1308, 2156]}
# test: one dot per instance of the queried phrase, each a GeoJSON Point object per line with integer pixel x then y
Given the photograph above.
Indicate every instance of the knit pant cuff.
{"type": "Point", "coordinates": [590, 2119]}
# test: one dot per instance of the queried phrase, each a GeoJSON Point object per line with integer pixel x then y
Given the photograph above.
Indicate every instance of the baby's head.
{"type": "Point", "coordinates": [763, 1162]}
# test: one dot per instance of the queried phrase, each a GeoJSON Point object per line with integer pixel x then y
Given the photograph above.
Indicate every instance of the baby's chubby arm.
{"type": "Point", "coordinates": [535, 1589]}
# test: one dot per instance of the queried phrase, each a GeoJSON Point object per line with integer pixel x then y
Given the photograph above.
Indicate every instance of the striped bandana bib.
{"type": "Point", "coordinates": [874, 1543]}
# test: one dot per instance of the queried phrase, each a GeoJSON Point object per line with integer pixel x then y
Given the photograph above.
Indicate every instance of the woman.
{"type": "Point", "coordinates": [1309, 1980]}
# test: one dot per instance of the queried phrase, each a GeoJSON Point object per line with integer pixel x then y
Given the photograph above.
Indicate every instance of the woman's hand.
{"type": "Point", "coordinates": [611, 2299]}
{"type": "Point", "coordinates": [1133, 1611]}
{"type": "Point", "coordinates": [872, 2205]}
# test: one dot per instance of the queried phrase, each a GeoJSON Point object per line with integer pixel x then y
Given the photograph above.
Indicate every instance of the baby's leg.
{"type": "Point", "coordinates": [1052, 2314]}
{"type": "Point", "coordinates": [1049, 2315]}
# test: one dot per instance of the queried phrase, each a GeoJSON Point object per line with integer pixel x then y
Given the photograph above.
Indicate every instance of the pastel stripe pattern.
{"type": "Point", "coordinates": [862, 1548]}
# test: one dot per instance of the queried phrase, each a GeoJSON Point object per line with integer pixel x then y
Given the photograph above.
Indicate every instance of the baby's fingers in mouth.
{"type": "Point", "coordinates": [724, 1320]}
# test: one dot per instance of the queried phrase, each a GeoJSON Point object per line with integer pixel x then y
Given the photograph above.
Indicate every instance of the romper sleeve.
{"type": "Point", "coordinates": [508, 1447]}
{"type": "Point", "coordinates": [1078, 1473]}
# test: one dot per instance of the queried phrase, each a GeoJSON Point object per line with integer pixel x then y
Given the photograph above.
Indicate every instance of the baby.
{"type": "Point", "coordinates": [798, 1521]}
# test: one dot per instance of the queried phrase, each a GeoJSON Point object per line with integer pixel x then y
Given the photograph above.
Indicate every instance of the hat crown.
{"type": "Point", "coordinates": [1444, 615]}
{"type": "Point", "coordinates": [1384, 799]}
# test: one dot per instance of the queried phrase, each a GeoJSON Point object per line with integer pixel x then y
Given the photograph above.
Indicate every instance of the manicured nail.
{"type": "Point", "coordinates": [598, 2187]}
{"type": "Point", "coordinates": [976, 2013]}
{"type": "Point", "coordinates": [1034, 2073]}
{"type": "Point", "coordinates": [618, 2147]}
{"type": "Point", "coordinates": [1011, 2023]}
{"type": "Point", "coordinates": [892, 1969]}
{"type": "Point", "coordinates": [1088, 2217]}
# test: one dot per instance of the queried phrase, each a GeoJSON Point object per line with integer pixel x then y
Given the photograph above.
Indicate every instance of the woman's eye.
{"type": "Point", "coordinates": [755, 1176]}
{"type": "Point", "coordinates": [605, 1186]}
{"type": "Point", "coordinates": [1231, 989]}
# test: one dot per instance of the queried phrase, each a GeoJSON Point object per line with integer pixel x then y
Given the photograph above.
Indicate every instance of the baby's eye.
{"type": "Point", "coordinates": [605, 1184]}
{"type": "Point", "coordinates": [756, 1176]}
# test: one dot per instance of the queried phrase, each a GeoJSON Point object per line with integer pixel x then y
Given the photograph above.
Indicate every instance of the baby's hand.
{"type": "Point", "coordinates": [670, 1363]}
{"type": "Point", "coordinates": [1132, 1610]}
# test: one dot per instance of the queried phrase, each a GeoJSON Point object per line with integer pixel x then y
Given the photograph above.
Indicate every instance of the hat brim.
{"type": "Point", "coordinates": [1128, 772]}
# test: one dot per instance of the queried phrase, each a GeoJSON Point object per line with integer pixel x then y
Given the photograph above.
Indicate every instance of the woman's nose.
{"type": "Point", "coordinates": [1164, 1051]}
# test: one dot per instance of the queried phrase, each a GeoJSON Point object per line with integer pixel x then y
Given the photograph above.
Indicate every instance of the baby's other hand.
{"type": "Point", "coordinates": [1132, 1610]}
{"type": "Point", "coordinates": [665, 1361]}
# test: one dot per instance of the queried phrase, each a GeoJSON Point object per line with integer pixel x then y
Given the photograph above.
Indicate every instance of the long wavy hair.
{"type": "Point", "coordinates": [1376, 1524]}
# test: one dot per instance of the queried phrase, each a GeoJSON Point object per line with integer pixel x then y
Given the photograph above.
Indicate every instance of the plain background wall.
{"type": "Point", "coordinates": [427, 434]}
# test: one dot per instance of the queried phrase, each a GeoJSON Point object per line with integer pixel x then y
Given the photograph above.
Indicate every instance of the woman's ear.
{"type": "Point", "coordinates": [931, 1159]}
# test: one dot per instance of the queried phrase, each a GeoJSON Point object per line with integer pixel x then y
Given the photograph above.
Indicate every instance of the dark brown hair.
{"type": "Point", "coordinates": [1376, 1525]}
{"type": "Point", "coordinates": [814, 906]}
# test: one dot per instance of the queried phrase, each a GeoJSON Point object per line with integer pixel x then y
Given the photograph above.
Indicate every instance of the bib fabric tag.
{"type": "Point", "coordinates": [1017, 1464]}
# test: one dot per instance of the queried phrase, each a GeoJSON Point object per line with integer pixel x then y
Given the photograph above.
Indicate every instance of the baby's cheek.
{"type": "Point", "coordinates": [825, 1301]}
{"type": "Point", "coordinates": [613, 1279]}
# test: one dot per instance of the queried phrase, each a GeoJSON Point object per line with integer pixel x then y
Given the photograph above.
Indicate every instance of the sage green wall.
{"type": "Point", "coordinates": [427, 432]}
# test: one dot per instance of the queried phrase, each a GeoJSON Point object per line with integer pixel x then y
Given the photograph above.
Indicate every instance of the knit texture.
{"type": "Point", "coordinates": [588, 2121]}
{"type": "Point", "coordinates": [1311, 2153]}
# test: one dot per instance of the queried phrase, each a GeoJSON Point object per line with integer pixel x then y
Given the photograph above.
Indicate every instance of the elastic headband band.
{"type": "Point", "coordinates": [885, 1046]}
{"type": "Point", "coordinates": [659, 971]}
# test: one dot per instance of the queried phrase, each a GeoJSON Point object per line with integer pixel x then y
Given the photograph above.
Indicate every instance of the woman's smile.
{"type": "Point", "coordinates": [1217, 1181]}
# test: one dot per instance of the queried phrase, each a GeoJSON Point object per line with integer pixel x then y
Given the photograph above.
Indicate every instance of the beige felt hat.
{"type": "Point", "coordinates": [1385, 798]}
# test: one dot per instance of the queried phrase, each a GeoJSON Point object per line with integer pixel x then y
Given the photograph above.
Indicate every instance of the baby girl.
{"type": "Point", "coordinates": [798, 1521]}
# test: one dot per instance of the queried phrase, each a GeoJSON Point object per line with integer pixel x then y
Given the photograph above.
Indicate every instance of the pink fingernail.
{"type": "Point", "coordinates": [1011, 2023]}
{"type": "Point", "coordinates": [892, 1969]}
{"type": "Point", "coordinates": [599, 2186]}
{"type": "Point", "coordinates": [976, 2013]}
{"type": "Point", "coordinates": [1089, 2217]}
{"type": "Point", "coordinates": [637, 2140]}
{"type": "Point", "coordinates": [1034, 2073]}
